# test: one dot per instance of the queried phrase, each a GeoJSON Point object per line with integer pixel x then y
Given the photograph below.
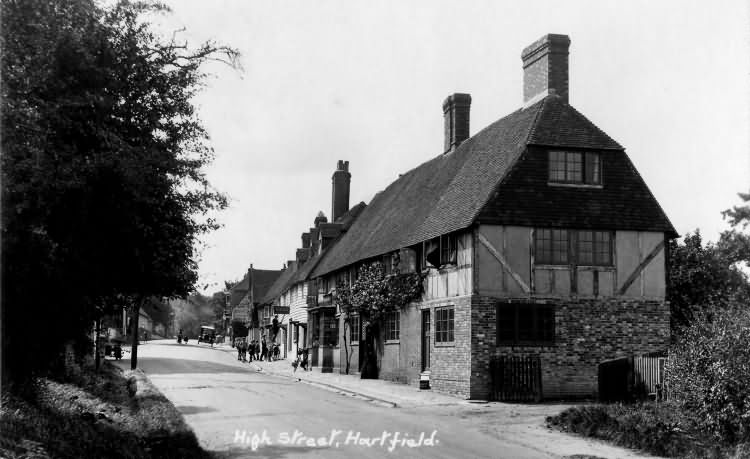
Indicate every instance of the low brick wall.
{"type": "Point", "coordinates": [587, 332]}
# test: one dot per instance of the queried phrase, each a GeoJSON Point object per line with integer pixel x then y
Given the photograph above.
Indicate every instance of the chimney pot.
{"type": "Point", "coordinates": [545, 68]}
{"type": "Point", "coordinates": [456, 109]}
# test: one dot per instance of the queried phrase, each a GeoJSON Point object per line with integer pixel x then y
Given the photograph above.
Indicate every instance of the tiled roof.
{"type": "Point", "coordinates": [280, 285]}
{"type": "Point", "coordinates": [347, 220]}
{"type": "Point", "coordinates": [448, 192]}
{"type": "Point", "coordinates": [263, 279]}
{"type": "Point", "coordinates": [561, 125]}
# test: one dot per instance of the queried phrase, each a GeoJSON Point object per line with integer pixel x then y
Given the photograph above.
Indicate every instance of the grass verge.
{"type": "Point", "coordinates": [660, 429]}
{"type": "Point", "coordinates": [106, 414]}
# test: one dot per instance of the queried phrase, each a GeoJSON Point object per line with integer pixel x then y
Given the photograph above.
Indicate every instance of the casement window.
{"type": "Point", "coordinates": [440, 251]}
{"type": "Point", "coordinates": [586, 247]}
{"type": "Point", "coordinates": [448, 251]}
{"type": "Point", "coordinates": [392, 326]}
{"type": "Point", "coordinates": [444, 325]}
{"type": "Point", "coordinates": [594, 248]}
{"type": "Point", "coordinates": [389, 262]}
{"type": "Point", "coordinates": [551, 247]}
{"type": "Point", "coordinates": [525, 324]}
{"type": "Point", "coordinates": [354, 329]}
{"type": "Point", "coordinates": [575, 167]}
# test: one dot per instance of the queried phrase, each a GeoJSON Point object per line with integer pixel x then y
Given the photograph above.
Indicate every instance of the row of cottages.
{"type": "Point", "coordinates": [244, 302]}
{"type": "Point", "coordinates": [290, 296]}
{"type": "Point", "coordinates": [536, 236]}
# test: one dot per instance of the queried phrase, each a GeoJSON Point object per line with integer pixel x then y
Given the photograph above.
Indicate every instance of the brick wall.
{"type": "Point", "coordinates": [449, 362]}
{"type": "Point", "coordinates": [587, 331]}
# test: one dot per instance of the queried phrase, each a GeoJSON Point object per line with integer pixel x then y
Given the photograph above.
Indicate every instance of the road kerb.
{"type": "Point", "coordinates": [328, 386]}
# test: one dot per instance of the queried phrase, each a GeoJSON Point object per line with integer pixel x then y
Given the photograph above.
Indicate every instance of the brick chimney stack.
{"type": "Point", "coordinates": [456, 120]}
{"type": "Point", "coordinates": [340, 190]}
{"type": "Point", "coordinates": [545, 68]}
{"type": "Point", "coordinates": [250, 285]}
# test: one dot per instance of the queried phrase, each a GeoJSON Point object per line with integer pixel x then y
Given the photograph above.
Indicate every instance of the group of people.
{"type": "Point", "coordinates": [255, 350]}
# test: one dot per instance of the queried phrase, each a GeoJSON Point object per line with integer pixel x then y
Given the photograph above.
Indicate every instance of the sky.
{"type": "Point", "coordinates": [364, 81]}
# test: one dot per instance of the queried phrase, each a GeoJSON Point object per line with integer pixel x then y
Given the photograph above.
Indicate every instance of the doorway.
{"type": "Point", "coordinates": [425, 340]}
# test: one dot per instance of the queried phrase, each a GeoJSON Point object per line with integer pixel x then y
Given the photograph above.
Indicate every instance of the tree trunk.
{"type": "Point", "coordinates": [98, 325]}
{"type": "Point", "coordinates": [134, 333]}
{"type": "Point", "coordinates": [346, 347]}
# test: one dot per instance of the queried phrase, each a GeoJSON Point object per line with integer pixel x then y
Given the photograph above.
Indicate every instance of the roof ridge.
{"type": "Point", "coordinates": [539, 110]}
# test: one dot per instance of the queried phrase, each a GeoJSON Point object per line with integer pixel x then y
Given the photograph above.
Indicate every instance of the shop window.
{"type": "Point", "coordinates": [330, 330]}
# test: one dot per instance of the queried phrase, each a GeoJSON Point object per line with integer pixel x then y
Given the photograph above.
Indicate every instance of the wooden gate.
{"type": "Point", "coordinates": [632, 378]}
{"type": "Point", "coordinates": [648, 372]}
{"type": "Point", "coordinates": [516, 378]}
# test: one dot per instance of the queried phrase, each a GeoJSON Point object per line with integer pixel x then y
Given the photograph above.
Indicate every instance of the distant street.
{"type": "Point", "coordinates": [229, 406]}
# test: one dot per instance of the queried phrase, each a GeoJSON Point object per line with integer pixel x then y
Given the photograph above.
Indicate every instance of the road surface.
{"type": "Point", "coordinates": [238, 412]}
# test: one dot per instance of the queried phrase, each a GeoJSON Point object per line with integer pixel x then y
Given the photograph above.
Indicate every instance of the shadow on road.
{"type": "Point", "coordinates": [166, 366]}
{"type": "Point", "coordinates": [185, 409]}
{"type": "Point", "coordinates": [175, 344]}
{"type": "Point", "coordinates": [267, 451]}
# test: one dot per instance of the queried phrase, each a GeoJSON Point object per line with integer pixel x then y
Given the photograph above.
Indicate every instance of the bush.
{"type": "Point", "coordinates": [648, 426]}
{"type": "Point", "coordinates": [708, 373]}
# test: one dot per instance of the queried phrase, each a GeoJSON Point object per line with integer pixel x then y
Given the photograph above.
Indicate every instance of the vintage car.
{"type": "Point", "coordinates": [207, 334]}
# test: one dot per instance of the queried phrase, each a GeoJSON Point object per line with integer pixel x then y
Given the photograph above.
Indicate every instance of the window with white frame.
{"type": "Point", "coordinates": [392, 326]}
{"type": "Point", "coordinates": [354, 329]}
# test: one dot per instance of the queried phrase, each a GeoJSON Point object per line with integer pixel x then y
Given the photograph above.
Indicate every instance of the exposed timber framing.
{"type": "Point", "coordinates": [639, 269]}
{"type": "Point", "coordinates": [485, 242]}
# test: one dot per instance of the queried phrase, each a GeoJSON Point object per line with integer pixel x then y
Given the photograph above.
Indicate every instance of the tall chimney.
{"type": "Point", "coordinates": [545, 68]}
{"type": "Point", "coordinates": [250, 289]}
{"type": "Point", "coordinates": [340, 190]}
{"type": "Point", "coordinates": [456, 120]}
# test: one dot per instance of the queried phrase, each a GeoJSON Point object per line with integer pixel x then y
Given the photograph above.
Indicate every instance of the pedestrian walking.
{"type": "Point", "coordinates": [238, 345]}
{"type": "Point", "coordinates": [264, 350]}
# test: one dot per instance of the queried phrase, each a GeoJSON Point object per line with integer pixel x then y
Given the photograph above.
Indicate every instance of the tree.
{"type": "Point", "coordinates": [103, 192]}
{"type": "Point", "coordinates": [372, 296]}
{"type": "Point", "coordinates": [735, 243]}
{"type": "Point", "coordinates": [708, 372]}
{"type": "Point", "coordinates": [706, 278]}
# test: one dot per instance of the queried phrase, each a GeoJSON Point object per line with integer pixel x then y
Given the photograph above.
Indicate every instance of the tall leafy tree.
{"type": "Point", "coordinates": [707, 277]}
{"type": "Point", "coordinates": [103, 191]}
{"type": "Point", "coordinates": [735, 242]}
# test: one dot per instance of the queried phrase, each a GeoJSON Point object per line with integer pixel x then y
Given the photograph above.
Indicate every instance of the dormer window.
{"type": "Point", "coordinates": [576, 168]}
{"type": "Point", "coordinates": [440, 251]}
